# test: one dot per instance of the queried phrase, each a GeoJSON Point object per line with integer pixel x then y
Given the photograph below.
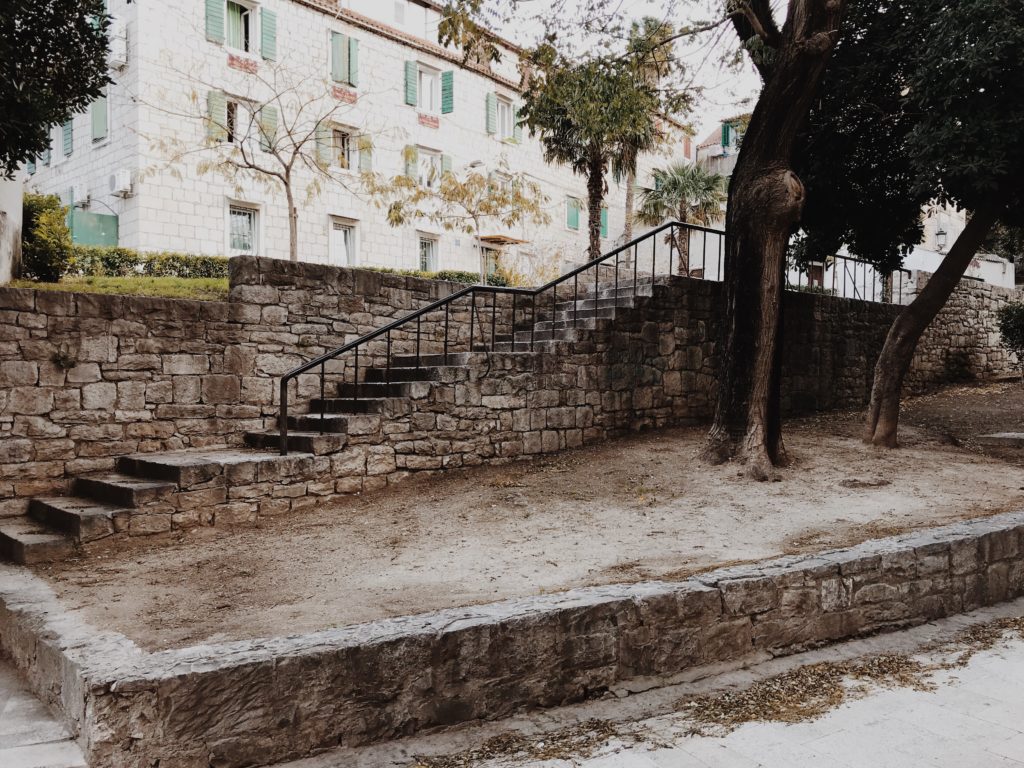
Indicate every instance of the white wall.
{"type": "Point", "coordinates": [11, 193]}
{"type": "Point", "coordinates": [159, 106]}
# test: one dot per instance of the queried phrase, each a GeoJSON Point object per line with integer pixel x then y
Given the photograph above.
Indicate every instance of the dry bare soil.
{"type": "Point", "coordinates": [639, 508]}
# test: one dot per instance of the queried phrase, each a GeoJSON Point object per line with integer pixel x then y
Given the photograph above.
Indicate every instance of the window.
{"type": "Point", "coordinates": [242, 230]}
{"type": "Point", "coordinates": [490, 260]}
{"type": "Point", "coordinates": [240, 122]}
{"type": "Point", "coordinates": [240, 26]}
{"type": "Point", "coordinates": [572, 213]}
{"type": "Point", "coordinates": [506, 119]}
{"type": "Point", "coordinates": [342, 243]}
{"type": "Point", "coordinates": [428, 254]}
{"type": "Point", "coordinates": [345, 145]}
{"type": "Point", "coordinates": [429, 168]}
{"type": "Point", "coordinates": [99, 117]}
{"type": "Point", "coordinates": [428, 88]}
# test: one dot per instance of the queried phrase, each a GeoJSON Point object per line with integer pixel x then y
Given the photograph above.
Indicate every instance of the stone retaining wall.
{"type": "Point", "coordinates": [86, 378]}
{"type": "Point", "coordinates": [260, 701]}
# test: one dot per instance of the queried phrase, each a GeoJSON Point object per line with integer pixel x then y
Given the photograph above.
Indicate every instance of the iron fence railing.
{"type": "Point", "coordinates": [849, 278]}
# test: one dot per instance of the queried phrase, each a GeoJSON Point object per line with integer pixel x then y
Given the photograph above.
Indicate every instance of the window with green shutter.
{"type": "Point", "coordinates": [411, 156]}
{"type": "Point", "coordinates": [517, 128]}
{"type": "Point", "coordinates": [98, 112]}
{"type": "Point", "coordinates": [217, 115]}
{"type": "Point", "coordinates": [215, 21]}
{"type": "Point", "coordinates": [339, 57]}
{"type": "Point", "coordinates": [268, 127]}
{"type": "Point", "coordinates": [604, 222]}
{"type": "Point", "coordinates": [572, 213]}
{"type": "Point", "coordinates": [411, 77]}
{"type": "Point", "coordinates": [268, 34]}
{"type": "Point", "coordinates": [725, 134]}
{"type": "Point", "coordinates": [492, 113]}
{"type": "Point", "coordinates": [30, 167]}
{"type": "Point", "coordinates": [365, 155]}
{"type": "Point", "coordinates": [239, 26]}
{"type": "Point", "coordinates": [446, 163]}
{"type": "Point", "coordinates": [68, 132]}
{"type": "Point", "coordinates": [447, 92]}
{"type": "Point", "coordinates": [324, 145]}
{"type": "Point", "coordinates": [353, 62]}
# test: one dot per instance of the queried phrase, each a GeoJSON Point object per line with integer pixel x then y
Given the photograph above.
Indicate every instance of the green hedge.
{"type": "Point", "coordinates": [451, 275]}
{"type": "Point", "coordinates": [114, 261]}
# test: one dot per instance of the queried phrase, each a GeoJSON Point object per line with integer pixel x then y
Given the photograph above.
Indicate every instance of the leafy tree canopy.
{"type": "Point", "coordinates": [923, 100]}
{"type": "Point", "coordinates": [54, 59]}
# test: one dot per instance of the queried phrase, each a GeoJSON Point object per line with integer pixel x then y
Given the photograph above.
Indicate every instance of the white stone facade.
{"type": "Point", "coordinates": [158, 109]}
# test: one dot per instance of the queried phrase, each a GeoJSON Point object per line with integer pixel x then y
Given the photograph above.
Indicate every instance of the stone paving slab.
{"type": "Point", "coordinates": [30, 737]}
{"type": "Point", "coordinates": [1003, 439]}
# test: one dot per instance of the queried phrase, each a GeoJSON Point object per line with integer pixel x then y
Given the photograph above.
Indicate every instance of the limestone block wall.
{"type": "Point", "coordinates": [87, 378]}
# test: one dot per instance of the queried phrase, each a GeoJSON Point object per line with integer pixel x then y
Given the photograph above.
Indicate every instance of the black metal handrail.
{"type": "Point", "coordinates": [851, 278]}
{"type": "Point", "coordinates": [445, 303]}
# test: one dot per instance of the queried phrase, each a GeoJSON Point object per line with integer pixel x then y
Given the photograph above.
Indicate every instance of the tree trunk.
{"type": "Point", "coordinates": [627, 229]}
{"type": "Point", "coordinates": [765, 202]}
{"type": "Point", "coordinates": [901, 342]}
{"type": "Point", "coordinates": [293, 224]}
{"type": "Point", "coordinates": [682, 239]}
{"type": "Point", "coordinates": [595, 195]}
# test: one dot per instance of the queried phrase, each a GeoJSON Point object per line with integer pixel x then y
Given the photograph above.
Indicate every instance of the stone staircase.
{"type": "Point", "coordinates": [158, 492]}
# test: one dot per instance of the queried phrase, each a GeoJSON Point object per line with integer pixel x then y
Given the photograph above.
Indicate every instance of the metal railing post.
{"type": "Point", "coordinates": [282, 425]}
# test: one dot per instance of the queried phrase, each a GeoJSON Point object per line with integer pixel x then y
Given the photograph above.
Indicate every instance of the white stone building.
{"type": "Point", "coordinates": [135, 164]}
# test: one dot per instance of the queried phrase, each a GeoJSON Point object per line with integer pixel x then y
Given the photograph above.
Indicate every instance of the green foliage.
{"type": "Point", "coordinates": [201, 289]}
{"type": "Point", "coordinates": [683, 191]}
{"type": "Point", "coordinates": [46, 240]}
{"type": "Point", "coordinates": [923, 100]}
{"type": "Point", "coordinates": [451, 275]}
{"type": "Point", "coordinates": [115, 261]}
{"type": "Point", "coordinates": [1010, 319]}
{"type": "Point", "coordinates": [54, 55]}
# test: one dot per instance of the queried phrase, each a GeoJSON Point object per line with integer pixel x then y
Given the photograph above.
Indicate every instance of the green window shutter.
{"type": "Point", "coordinates": [268, 127]}
{"type": "Point", "coordinates": [30, 167]}
{"type": "Point", "coordinates": [217, 116]}
{"type": "Point", "coordinates": [98, 114]}
{"type": "Point", "coordinates": [410, 83]}
{"type": "Point", "coordinates": [492, 113]}
{"type": "Point", "coordinates": [46, 156]}
{"type": "Point", "coordinates": [268, 34]}
{"type": "Point", "coordinates": [447, 92]}
{"type": "Point", "coordinates": [412, 160]}
{"type": "Point", "coordinates": [725, 134]}
{"type": "Point", "coordinates": [604, 222]}
{"type": "Point", "coordinates": [215, 21]}
{"type": "Point", "coordinates": [446, 163]}
{"type": "Point", "coordinates": [324, 145]}
{"type": "Point", "coordinates": [572, 213]}
{"type": "Point", "coordinates": [69, 137]}
{"type": "Point", "coordinates": [339, 57]}
{"type": "Point", "coordinates": [517, 128]}
{"type": "Point", "coordinates": [353, 62]}
{"type": "Point", "coordinates": [366, 159]}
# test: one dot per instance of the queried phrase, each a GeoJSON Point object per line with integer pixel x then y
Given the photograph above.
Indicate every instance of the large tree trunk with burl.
{"type": "Point", "coordinates": [901, 342]}
{"type": "Point", "coordinates": [765, 203]}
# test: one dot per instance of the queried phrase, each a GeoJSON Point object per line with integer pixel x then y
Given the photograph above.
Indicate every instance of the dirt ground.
{"type": "Point", "coordinates": [643, 507]}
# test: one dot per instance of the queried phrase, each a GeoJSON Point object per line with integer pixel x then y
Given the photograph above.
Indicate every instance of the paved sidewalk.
{"type": "Point", "coordinates": [29, 735]}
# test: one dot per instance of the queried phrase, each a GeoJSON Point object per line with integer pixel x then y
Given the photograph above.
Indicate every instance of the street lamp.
{"type": "Point", "coordinates": [940, 239]}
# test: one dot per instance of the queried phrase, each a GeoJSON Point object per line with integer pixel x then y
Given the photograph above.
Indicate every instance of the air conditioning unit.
{"type": "Point", "coordinates": [117, 36]}
{"type": "Point", "coordinates": [79, 196]}
{"type": "Point", "coordinates": [121, 183]}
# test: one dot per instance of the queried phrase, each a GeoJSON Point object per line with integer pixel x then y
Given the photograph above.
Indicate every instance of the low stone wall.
{"type": "Point", "coordinates": [256, 702]}
{"type": "Point", "coordinates": [86, 378]}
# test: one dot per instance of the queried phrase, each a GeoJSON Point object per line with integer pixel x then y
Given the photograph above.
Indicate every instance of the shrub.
{"type": "Point", "coordinates": [451, 275]}
{"type": "Point", "coordinates": [114, 261]}
{"type": "Point", "coordinates": [1010, 319]}
{"type": "Point", "coordinates": [46, 240]}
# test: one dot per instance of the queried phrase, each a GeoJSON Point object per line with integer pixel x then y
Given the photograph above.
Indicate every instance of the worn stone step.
{"type": "Point", "coordinates": [407, 373]}
{"type": "Point", "coordinates": [349, 404]}
{"type": "Point", "coordinates": [583, 323]}
{"type": "Point", "coordinates": [122, 490]}
{"type": "Point", "coordinates": [26, 542]}
{"type": "Point", "coordinates": [81, 519]}
{"type": "Point", "coordinates": [376, 389]}
{"type": "Point", "coordinates": [583, 314]}
{"type": "Point", "coordinates": [336, 423]}
{"type": "Point", "coordinates": [432, 360]}
{"type": "Point", "coordinates": [560, 334]}
{"type": "Point", "coordinates": [184, 469]}
{"type": "Point", "coordinates": [299, 442]}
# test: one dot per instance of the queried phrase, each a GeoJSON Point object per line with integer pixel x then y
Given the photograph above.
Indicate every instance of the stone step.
{"type": "Point", "coordinates": [582, 314]}
{"type": "Point", "coordinates": [26, 542]}
{"type": "Point", "coordinates": [432, 360]}
{"type": "Point", "coordinates": [121, 489]}
{"type": "Point", "coordinates": [348, 404]}
{"type": "Point", "coordinates": [299, 442]}
{"type": "Point", "coordinates": [375, 390]}
{"type": "Point", "coordinates": [590, 304]}
{"type": "Point", "coordinates": [311, 422]}
{"type": "Point", "coordinates": [183, 469]}
{"type": "Point", "coordinates": [407, 373]}
{"type": "Point", "coordinates": [559, 334]}
{"type": "Point", "coordinates": [81, 519]}
{"type": "Point", "coordinates": [582, 323]}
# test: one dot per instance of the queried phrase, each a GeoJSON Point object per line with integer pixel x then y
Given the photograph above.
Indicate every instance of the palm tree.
{"type": "Point", "coordinates": [687, 193]}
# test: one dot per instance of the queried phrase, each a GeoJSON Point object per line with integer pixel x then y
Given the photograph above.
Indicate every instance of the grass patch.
{"type": "Point", "coordinates": [199, 288]}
